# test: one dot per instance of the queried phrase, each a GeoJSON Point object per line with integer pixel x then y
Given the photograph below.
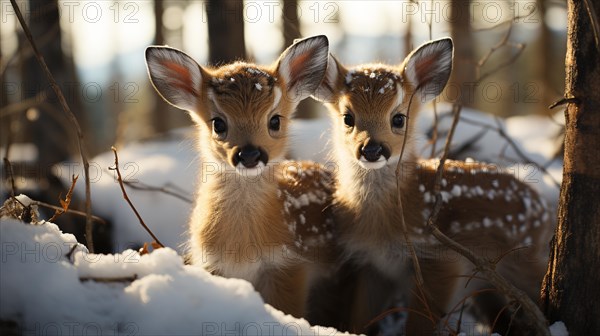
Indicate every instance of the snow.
{"type": "Point", "coordinates": [25, 200]}
{"type": "Point", "coordinates": [46, 290]}
{"type": "Point", "coordinates": [558, 329]}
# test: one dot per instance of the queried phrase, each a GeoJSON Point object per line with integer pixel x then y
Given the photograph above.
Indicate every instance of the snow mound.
{"type": "Point", "coordinates": [50, 284]}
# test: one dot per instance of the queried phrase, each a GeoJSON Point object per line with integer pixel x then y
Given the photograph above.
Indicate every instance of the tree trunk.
{"type": "Point", "coordinates": [225, 31]}
{"type": "Point", "coordinates": [160, 121]}
{"type": "Point", "coordinates": [291, 31]}
{"type": "Point", "coordinates": [463, 72]}
{"type": "Point", "coordinates": [50, 132]}
{"type": "Point", "coordinates": [570, 290]}
{"type": "Point", "coordinates": [291, 22]}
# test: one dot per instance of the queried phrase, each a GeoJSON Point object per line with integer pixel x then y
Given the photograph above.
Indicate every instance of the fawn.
{"type": "Point", "coordinates": [256, 217]}
{"type": "Point", "coordinates": [372, 106]}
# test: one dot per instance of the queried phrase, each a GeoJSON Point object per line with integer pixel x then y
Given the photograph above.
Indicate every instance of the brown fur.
{"type": "Point", "coordinates": [254, 216]}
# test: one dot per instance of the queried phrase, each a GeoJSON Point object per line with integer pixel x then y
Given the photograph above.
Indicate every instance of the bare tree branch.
{"type": "Point", "coordinates": [486, 267]}
{"type": "Point", "coordinates": [10, 174]}
{"type": "Point", "coordinates": [69, 211]}
{"type": "Point", "coordinates": [120, 179]}
{"type": "Point", "coordinates": [417, 268]}
{"type": "Point", "coordinates": [589, 7]}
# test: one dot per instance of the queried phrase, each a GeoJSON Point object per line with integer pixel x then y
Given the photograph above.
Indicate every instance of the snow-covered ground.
{"type": "Point", "coordinates": [51, 285]}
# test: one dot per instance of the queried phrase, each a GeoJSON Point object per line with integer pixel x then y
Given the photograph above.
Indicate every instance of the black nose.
{"type": "Point", "coordinates": [249, 156]}
{"type": "Point", "coordinates": [371, 152]}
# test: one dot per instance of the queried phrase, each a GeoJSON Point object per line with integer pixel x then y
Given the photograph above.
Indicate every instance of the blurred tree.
{"type": "Point", "coordinates": [46, 127]}
{"type": "Point", "coordinates": [291, 30]}
{"type": "Point", "coordinates": [225, 31]}
{"type": "Point", "coordinates": [570, 290]}
{"type": "Point", "coordinates": [159, 9]}
{"type": "Point", "coordinates": [160, 121]}
{"type": "Point", "coordinates": [291, 22]}
{"type": "Point", "coordinates": [408, 38]}
{"type": "Point", "coordinates": [463, 72]}
{"type": "Point", "coordinates": [548, 54]}
{"type": "Point", "coordinates": [46, 132]}
{"type": "Point", "coordinates": [5, 126]}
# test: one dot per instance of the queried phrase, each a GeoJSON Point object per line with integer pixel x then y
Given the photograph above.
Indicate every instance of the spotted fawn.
{"type": "Point", "coordinates": [256, 217]}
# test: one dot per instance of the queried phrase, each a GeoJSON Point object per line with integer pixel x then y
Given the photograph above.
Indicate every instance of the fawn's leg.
{"type": "Point", "coordinates": [441, 277]}
{"type": "Point", "coordinates": [372, 295]}
{"type": "Point", "coordinates": [286, 289]}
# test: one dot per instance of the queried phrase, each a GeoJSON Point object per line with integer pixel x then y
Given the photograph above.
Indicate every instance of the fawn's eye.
{"type": "Point", "coordinates": [275, 123]}
{"type": "Point", "coordinates": [349, 120]}
{"type": "Point", "coordinates": [219, 126]}
{"type": "Point", "coordinates": [398, 120]}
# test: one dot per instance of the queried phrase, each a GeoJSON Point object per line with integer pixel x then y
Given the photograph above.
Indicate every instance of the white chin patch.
{"type": "Point", "coordinates": [250, 172]}
{"type": "Point", "coordinates": [372, 165]}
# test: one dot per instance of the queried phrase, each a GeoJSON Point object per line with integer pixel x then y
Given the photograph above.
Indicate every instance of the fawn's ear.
{"type": "Point", "coordinates": [429, 66]}
{"type": "Point", "coordinates": [302, 66]}
{"type": "Point", "coordinates": [329, 85]}
{"type": "Point", "coordinates": [175, 76]}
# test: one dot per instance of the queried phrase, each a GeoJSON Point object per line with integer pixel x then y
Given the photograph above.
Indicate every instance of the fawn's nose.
{"type": "Point", "coordinates": [249, 156]}
{"type": "Point", "coordinates": [371, 151]}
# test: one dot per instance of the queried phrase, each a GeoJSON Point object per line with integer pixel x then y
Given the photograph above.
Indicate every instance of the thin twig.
{"type": "Point", "coordinates": [417, 268]}
{"type": "Point", "coordinates": [72, 118]}
{"type": "Point", "coordinates": [497, 318]}
{"type": "Point", "coordinates": [434, 134]}
{"type": "Point", "coordinates": [520, 48]}
{"type": "Point", "coordinates": [23, 105]}
{"type": "Point", "coordinates": [67, 202]}
{"type": "Point", "coordinates": [146, 187]}
{"type": "Point", "coordinates": [503, 42]}
{"type": "Point", "coordinates": [69, 211]}
{"type": "Point", "coordinates": [522, 156]}
{"type": "Point", "coordinates": [110, 280]}
{"type": "Point", "coordinates": [589, 7]}
{"type": "Point", "coordinates": [138, 185]}
{"type": "Point", "coordinates": [25, 52]}
{"type": "Point", "coordinates": [518, 17]}
{"type": "Point", "coordinates": [486, 267]}
{"type": "Point", "coordinates": [520, 153]}
{"type": "Point", "coordinates": [139, 217]}
{"type": "Point", "coordinates": [10, 175]}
